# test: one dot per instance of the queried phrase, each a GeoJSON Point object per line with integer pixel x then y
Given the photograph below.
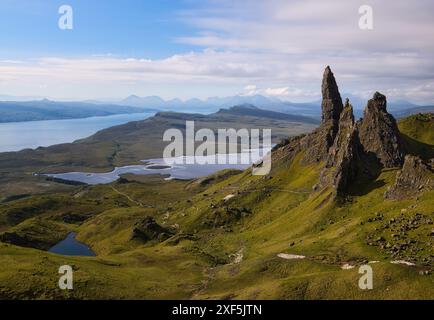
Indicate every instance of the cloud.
{"type": "Point", "coordinates": [274, 47]}
{"type": "Point", "coordinates": [305, 35]}
{"type": "Point", "coordinates": [277, 91]}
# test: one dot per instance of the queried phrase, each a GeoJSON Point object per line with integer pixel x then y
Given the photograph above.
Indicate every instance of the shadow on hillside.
{"type": "Point", "coordinates": [361, 188]}
{"type": "Point", "coordinates": [417, 148]}
{"type": "Point", "coordinates": [369, 169]}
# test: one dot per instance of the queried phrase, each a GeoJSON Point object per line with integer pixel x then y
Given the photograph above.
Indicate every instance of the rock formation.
{"type": "Point", "coordinates": [414, 177]}
{"type": "Point", "coordinates": [331, 99]}
{"type": "Point", "coordinates": [351, 150]}
{"type": "Point", "coordinates": [341, 164]}
{"type": "Point", "coordinates": [379, 134]}
{"type": "Point", "coordinates": [148, 229]}
{"type": "Point", "coordinates": [317, 144]}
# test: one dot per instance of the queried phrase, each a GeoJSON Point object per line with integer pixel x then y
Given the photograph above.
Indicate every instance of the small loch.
{"type": "Point", "coordinates": [72, 247]}
{"type": "Point", "coordinates": [188, 167]}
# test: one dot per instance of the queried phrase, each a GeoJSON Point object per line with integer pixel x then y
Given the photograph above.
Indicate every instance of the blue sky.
{"type": "Point", "coordinates": [203, 48]}
{"type": "Point", "coordinates": [133, 28]}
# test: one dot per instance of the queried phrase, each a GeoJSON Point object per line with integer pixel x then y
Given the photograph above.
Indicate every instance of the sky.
{"type": "Point", "coordinates": [203, 48]}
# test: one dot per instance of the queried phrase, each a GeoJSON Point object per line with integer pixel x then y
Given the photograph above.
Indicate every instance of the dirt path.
{"type": "Point", "coordinates": [138, 203]}
{"type": "Point", "coordinates": [268, 189]}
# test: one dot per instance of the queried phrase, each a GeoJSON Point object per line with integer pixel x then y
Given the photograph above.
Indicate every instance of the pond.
{"type": "Point", "coordinates": [71, 247]}
{"type": "Point", "coordinates": [183, 171]}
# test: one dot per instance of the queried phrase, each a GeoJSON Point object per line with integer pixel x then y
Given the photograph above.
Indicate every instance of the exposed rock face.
{"type": "Point", "coordinates": [414, 177]}
{"type": "Point", "coordinates": [379, 134]}
{"type": "Point", "coordinates": [148, 229]}
{"type": "Point", "coordinates": [331, 98]}
{"type": "Point", "coordinates": [348, 148]}
{"type": "Point", "coordinates": [341, 165]}
{"type": "Point", "coordinates": [317, 144]}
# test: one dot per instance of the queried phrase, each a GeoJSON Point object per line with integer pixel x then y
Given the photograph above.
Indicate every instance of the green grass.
{"type": "Point", "coordinates": [268, 215]}
{"type": "Point", "coordinates": [417, 132]}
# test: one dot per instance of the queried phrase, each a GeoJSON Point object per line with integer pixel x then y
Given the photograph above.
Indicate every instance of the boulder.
{"type": "Point", "coordinates": [415, 177]}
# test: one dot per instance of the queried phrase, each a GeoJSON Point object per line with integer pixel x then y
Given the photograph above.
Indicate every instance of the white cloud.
{"type": "Point", "coordinates": [305, 35]}
{"type": "Point", "coordinates": [274, 47]}
{"type": "Point", "coordinates": [277, 91]}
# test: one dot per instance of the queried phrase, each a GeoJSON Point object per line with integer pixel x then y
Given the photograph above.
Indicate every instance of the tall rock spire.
{"type": "Point", "coordinates": [318, 143]}
{"type": "Point", "coordinates": [331, 99]}
{"type": "Point", "coordinates": [341, 164]}
{"type": "Point", "coordinates": [379, 133]}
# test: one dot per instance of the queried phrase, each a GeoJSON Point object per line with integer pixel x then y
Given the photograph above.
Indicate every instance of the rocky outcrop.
{"type": "Point", "coordinates": [317, 144]}
{"type": "Point", "coordinates": [148, 229]}
{"type": "Point", "coordinates": [379, 134]}
{"type": "Point", "coordinates": [348, 149]}
{"type": "Point", "coordinates": [331, 99]}
{"type": "Point", "coordinates": [415, 176]}
{"type": "Point", "coordinates": [341, 164]}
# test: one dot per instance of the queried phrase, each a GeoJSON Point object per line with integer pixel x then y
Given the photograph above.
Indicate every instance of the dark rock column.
{"type": "Point", "coordinates": [341, 165]}
{"type": "Point", "coordinates": [318, 143]}
{"type": "Point", "coordinates": [331, 99]}
{"type": "Point", "coordinates": [379, 134]}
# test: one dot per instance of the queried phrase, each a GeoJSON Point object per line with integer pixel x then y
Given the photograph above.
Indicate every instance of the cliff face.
{"type": "Point", "coordinates": [379, 134]}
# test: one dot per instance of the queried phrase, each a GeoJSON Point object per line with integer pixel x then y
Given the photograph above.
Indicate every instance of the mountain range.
{"type": "Point", "coordinates": [13, 111]}
{"type": "Point", "coordinates": [33, 110]}
{"type": "Point", "coordinates": [312, 109]}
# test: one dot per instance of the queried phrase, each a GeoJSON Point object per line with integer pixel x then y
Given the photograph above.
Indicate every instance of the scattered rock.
{"type": "Point", "coordinates": [402, 262]}
{"type": "Point", "coordinates": [287, 256]}
{"type": "Point", "coordinates": [424, 272]}
{"type": "Point", "coordinates": [148, 229]}
{"type": "Point", "coordinates": [347, 266]}
{"type": "Point", "coordinates": [238, 256]}
{"type": "Point", "coordinates": [228, 197]}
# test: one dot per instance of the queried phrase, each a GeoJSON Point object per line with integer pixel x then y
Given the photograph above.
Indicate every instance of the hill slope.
{"type": "Point", "coordinates": [418, 134]}
{"type": "Point", "coordinates": [11, 111]}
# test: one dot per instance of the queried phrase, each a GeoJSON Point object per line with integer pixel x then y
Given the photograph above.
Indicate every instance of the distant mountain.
{"type": "Point", "coordinates": [414, 110]}
{"type": "Point", "coordinates": [136, 101]}
{"type": "Point", "coordinates": [18, 111]}
{"type": "Point", "coordinates": [309, 109]}
{"type": "Point", "coordinates": [213, 104]}
{"type": "Point", "coordinates": [34, 110]}
{"type": "Point", "coordinates": [251, 110]}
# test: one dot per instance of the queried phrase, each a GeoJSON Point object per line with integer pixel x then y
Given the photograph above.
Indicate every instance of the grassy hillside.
{"type": "Point", "coordinates": [228, 232]}
{"type": "Point", "coordinates": [14, 111]}
{"type": "Point", "coordinates": [418, 134]}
